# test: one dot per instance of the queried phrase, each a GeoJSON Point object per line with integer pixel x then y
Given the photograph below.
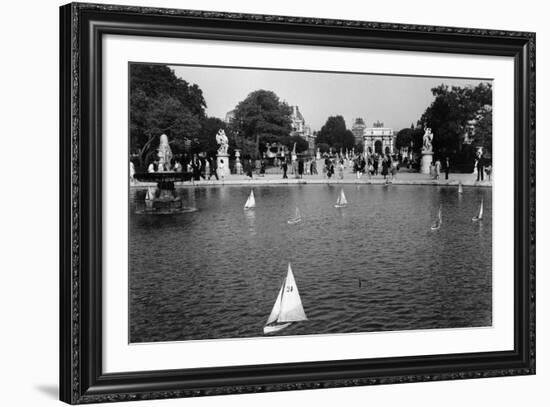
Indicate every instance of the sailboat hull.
{"type": "Point", "coordinates": [268, 329]}
{"type": "Point", "coordinates": [293, 221]}
{"type": "Point", "coordinates": [339, 206]}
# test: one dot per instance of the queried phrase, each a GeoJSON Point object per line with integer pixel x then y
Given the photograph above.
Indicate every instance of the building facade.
{"type": "Point", "coordinates": [376, 139]}
{"type": "Point", "coordinates": [300, 128]}
{"type": "Point", "coordinates": [358, 129]}
{"type": "Point", "coordinates": [229, 116]}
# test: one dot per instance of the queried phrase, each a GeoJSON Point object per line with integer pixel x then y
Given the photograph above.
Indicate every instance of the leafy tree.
{"type": "Point", "coordinates": [409, 135]}
{"type": "Point", "coordinates": [452, 111]}
{"type": "Point", "coordinates": [301, 143]}
{"type": "Point", "coordinates": [483, 130]}
{"type": "Point", "coordinates": [160, 102]}
{"type": "Point", "coordinates": [323, 147]}
{"type": "Point", "coordinates": [206, 137]}
{"type": "Point", "coordinates": [261, 117]}
{"type": "Point", "coordinates": [335, 135]}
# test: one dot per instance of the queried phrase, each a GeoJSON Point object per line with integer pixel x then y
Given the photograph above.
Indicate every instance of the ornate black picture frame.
{"type": "Point", "coordinates": [82, 28]}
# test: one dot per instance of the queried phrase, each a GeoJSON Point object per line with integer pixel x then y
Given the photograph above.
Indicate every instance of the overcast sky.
{"type": "Point", "coordinates": [397, 101]}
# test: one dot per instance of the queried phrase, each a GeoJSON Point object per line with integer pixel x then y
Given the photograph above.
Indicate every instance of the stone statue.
{"type": "Point", "coordinates": [427, 141]}
{"type": "Point", "coordinates": [318, 154]}
{"type": "Point", "coordinates": [222, 141]}
{"type": "Point", "coordinates": [164, 154]}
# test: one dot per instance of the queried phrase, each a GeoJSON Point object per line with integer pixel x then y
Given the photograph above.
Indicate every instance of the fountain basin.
{"type": "Point", "coordinates": [162, 200]}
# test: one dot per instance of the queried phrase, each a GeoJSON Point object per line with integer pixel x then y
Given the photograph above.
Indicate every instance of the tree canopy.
{"type": "Point", "coordinates": [261, 118]}
{"type": "Point", "coordinates": [335, 134]}
{"type": "Point", "coordinates": [409, 136]}
{"type": "Point", "coordinates": [160, 102]}
{"type": "Point", "coordinates": [455, 110]}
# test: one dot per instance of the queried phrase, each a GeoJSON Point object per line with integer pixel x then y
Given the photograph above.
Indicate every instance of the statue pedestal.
{"type": "Point", "coordinates": [223, 167]}
{"type": "Point", "coordinates": [426, 162]}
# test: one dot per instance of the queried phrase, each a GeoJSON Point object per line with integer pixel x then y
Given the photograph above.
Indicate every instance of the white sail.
{"type": "Point", "coordinates": [276, 307]}
{"type": "Point", "coordinates": [437, 224]}
{"type": "Point", "coordinates": [250, 202]}
{"type": "Point", "coordinates": [296, 219]}
{"type": "Point", "coordinates": [288, 306]}
{"type": "Point", "coordinates": [480, 213]}
{"type": "Point", "coordinates": [341, 201]}
{"type": "Point", "coordinates": [460, 190]}
{"type": "Point", "coordinates": [291, 304]}
{"type": "Point", "coordinates": [480, 210]}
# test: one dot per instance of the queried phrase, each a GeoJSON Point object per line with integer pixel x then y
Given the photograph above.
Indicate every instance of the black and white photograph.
{"type": "Point", "coordinates": [267, 202]}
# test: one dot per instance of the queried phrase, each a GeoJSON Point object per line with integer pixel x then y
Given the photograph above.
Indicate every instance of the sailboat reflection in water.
{"type": "Point", "coordinates": [288, 306]}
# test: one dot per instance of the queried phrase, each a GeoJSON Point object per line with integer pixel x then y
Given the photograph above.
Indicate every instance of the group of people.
{"type": "Point", "coordinates": [375, 164]}
{"type": "Point", "coordinates": [250, 167]}
{"type": "Point", "coordinates": [436, 167]}
{"type": "Point", "coordinates": [481, 168]}
{"type": "Point", "coordinates": [205, 167]}
{"type": "Point", "coordinates": [199, 166]}
{"type": "Point", "coordinates": [298, 167]}
{"type": "Point", "coordinates": [336, 166]}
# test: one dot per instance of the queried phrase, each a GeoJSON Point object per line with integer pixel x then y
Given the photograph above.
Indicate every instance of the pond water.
{"type": "Point", "coordinates": [372, 266]}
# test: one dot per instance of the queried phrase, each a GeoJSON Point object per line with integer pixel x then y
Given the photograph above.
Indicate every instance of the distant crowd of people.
{"type": "Point", "coordinates": [205, 167]}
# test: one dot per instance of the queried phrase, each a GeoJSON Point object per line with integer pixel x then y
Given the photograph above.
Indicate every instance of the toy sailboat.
{"type": "Point", "coordinates": [437, 224]}
{"type": "Point", "coordinates": [480, 213]}
{"type": "Point", "coordinates": [288, 306]}
{"type": "Point", "coordinates": [250, 202]}
{"type": "Point", "coordinates": [460, 187]}
{"type": "Point", "coordinates": [296, 219]}
{"type": "Point", "coordinates": [341, 202]}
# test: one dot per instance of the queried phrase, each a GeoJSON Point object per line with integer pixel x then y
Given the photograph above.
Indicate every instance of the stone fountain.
{"type": "Point", "coordinates": [162, 199]}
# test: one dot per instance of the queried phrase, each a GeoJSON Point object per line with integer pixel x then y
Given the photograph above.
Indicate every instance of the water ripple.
{"type": "Point", "coordinates": [373, 266]}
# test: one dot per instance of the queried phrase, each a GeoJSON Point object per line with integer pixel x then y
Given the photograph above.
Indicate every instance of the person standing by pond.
{"type": "Point", "coordinates": [196, 164]}
{"type": "Point", "coordinates": [447, 167]}
{"type": "Point", "coordinates": [356, 168]}
{"type": "Point", "coordinates": [480, 169]}
{"type": "Point", "coordinates": [300, 168]}
{"type": "Point", "coordinates": [202, 161]}
{"type": "Point", "coordinates": [341, 169]}
{"type": "Point", "coordinates": [362, 167]}
{"type": "Point", "coordinates": [313, 167]}
{"type": "Point", "coordinates": [330, 169]}
{"type": "Point", "coordinates": [221, 170]}
{"type": "Point", "coordinates": [284, 167]}
{"type": "Point", "coordinates": [213, 168]}
{"type": "Point", "coordinates": [437, 169]}
{"type": "Point", "coordinates": [393, 169]}
{"type": "Point", "coordinates": [385, 165]}
{"type": "Point", "coordinates": [248, 168]}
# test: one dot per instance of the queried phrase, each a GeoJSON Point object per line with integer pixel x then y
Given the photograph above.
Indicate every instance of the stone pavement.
{"type": "Point", "coordinates": [275, 177]}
